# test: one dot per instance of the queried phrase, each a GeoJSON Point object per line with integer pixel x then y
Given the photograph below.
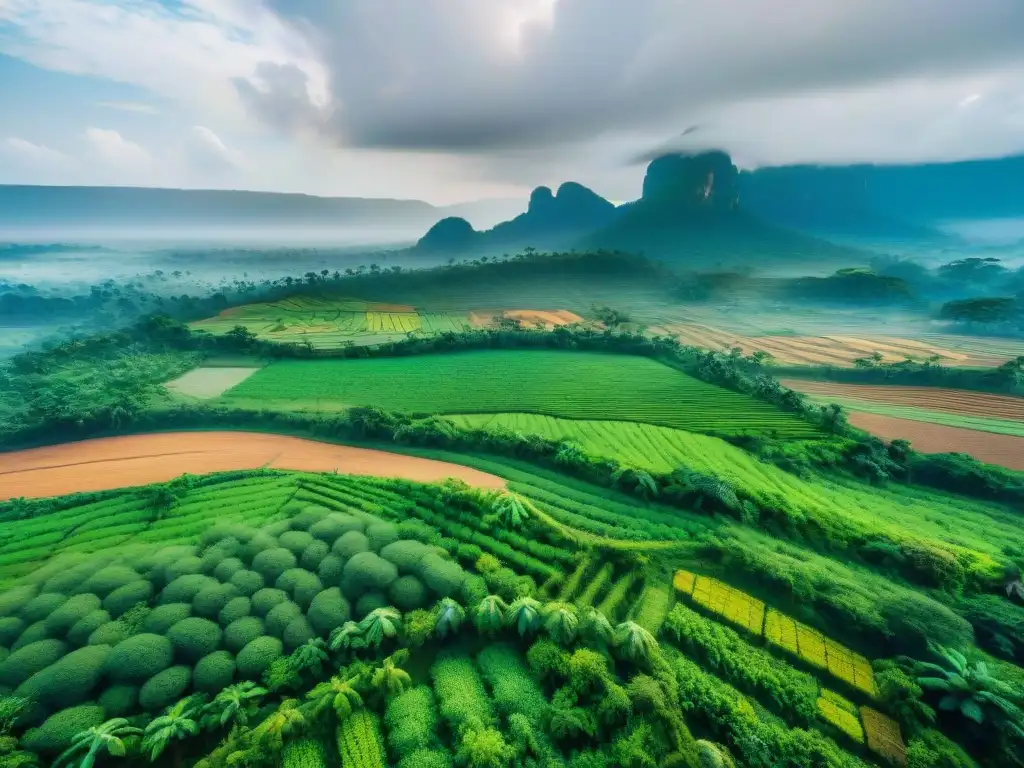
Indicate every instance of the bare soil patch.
{"type": "Point", "coordinates": [549, 319]}
{"type": "Point", "coordinates": [206, 383]}
{"type": "Point", "coordinates": [118, 462]}
{"type": "Point", "coordinates": [1005, 450]}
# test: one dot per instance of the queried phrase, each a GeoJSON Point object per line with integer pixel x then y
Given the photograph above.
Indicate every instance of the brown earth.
{"type": "Point", "coordinates": [117, 462]}
{"type": "Point", "coordinates": [1005, 450]}
{"type": "Point", "coordinates": [931, 398]}
{"type": "Point", "coordinates": [550, 319]}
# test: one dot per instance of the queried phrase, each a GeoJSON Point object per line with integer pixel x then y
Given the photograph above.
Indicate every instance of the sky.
{"type": "Point", "coordinates": [455, 100]}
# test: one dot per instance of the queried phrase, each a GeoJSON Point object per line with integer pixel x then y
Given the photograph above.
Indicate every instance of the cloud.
{"type": "Point", "coordinates": [206, 153]}
{"type": "Point", "coordinates": [36, 154]}
{"type": "Point", "coordinates": [461, 76]}
{"type": "Point", "coordinates": [131, 106]}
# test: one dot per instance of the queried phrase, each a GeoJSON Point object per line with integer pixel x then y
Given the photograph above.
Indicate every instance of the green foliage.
{"type": "Point", "coordinates": [257, 655]}
{"type": "Point", "coordinates": [194, 638]}
{"type": "Point", "coordinates": [214, 672]}
{"type": "Point", "coordinates": [931, 749]}
{"type": "Point", "coordinates": [139, 658]}
{"type": "Point", "coordinates": [280, 616]}
{"type": "Point", "coordinates": [184, 588]}
{"type": "Point", "coordinates": [209, 601]}
{"type": "Point", "coordinates": [41, 606]}
{"type": "Point", "coordinates": [164, 687]}
{"type": "Point", "coordinates": [443, 577]}
{"type": "Point", "coordinates": [29, 659]}
{"type": "Point", "coordinates": [69, 613]}
{"type": "Point", "coordinates": [266, 599]}
{"type": "Point", "coordinates": [163, 617]}
{"type": "Point", "coordinates": [295, 541]}
{"type": "Point", "coordinates": [247, 582]}
{"type": "Point", "coordinates": [484, 747]}
{"type": "Point", "coordinates": [297, 633]}
{"type": "Point", "coordinates": [58, 732]}
{"type": "Point", "coordinates": [365, 571]}
{"type": "Point", "coordinates": [489, 615]}
{"type": "Point", "coordinates": [119, 700]}
{"type": "Point", "coordinates": [125, 597]}
{"type": "Point", "coordinates": [176, 724]}
{"type": "Point", "coordinates": [106, 580]}
{"type": "Point", "coordinates": [235, 608]}
{"type": "Point", "coordinates": [407, 593]}
{"type": "Point", "coordinates": [462, 699]}
{"type": "Point", "coordinates": [513, 689]}
{"type": "Point", "coordinates": [107, 737]}
{"type": "Point", "coordinates": [33, 633]}
{"type": "Point", "coordinates": [329, 609]}
{"type": "Point", "coordinates": [303, 753]}
{"type": "Point", "coordinates": [411, 719]}
{"type": "Point", "coordinates": [380, 624]}
{"type": "Point", "coordinates": [561, 622]}
{"type": "Point", "coordinates": [359, 741]}
{"type": "Point", "coordinates": [69, 680]}
{"type": "Point", "coordinates": [313, 555]}
{"type": "Point", "coordinates": [351, 543]}
{"type": "Point", "coordinates": [233, 704]}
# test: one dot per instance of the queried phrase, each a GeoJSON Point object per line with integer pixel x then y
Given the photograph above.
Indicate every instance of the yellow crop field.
{"type": "Point", "coordinates": [683, 582]}
{"type": "Point", "coordinates": [841, 713]}
{"type": "Point", "coordinates": [780, 630]}
{"type": "Point", "coordinates": [738, 607]}
{"type": "Point", "coordinates": [883, 736]}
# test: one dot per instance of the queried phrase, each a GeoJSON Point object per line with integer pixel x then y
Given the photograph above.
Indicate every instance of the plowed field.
{"type": "Point", "coordinates": [116, 462]}
{"type": "Point", "coordinates": [933, 398]}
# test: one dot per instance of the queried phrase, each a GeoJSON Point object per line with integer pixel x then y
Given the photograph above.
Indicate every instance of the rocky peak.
{"type": "Point", "coordinates": [704, 180]}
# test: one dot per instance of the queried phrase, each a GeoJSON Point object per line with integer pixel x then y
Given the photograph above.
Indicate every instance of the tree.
{"type": "Point", "coordinates": [337, 694]}
{"type": "Point", "coordinates": [561, 622]}
{"type": "Point", "coordinates": [525, 615]}
{"type": "Point", "coordinates": [595, 628]}
{"type": "Point", "coordinates": [233, 705]}
{"type": "Point", "coordinates": [634, 642]}
{"type": "Point", "coordinates": [311, 655]}
{"type": "Point", "coordinates": [380, 623]}
{"type": "Point", "coordinates": [391, 679]}
{"type": "Point", "coordinates": [285, 720]}
{"type": "Point", "coordinates": [108, 737]}
{"type": "Point", "coordinates": [490, 614]}
{"type": "Point", "coordinates": [347, 637]}
{"type": "Point", "coordinates": [171, 728]}
{"type": "Point", "coordinates": [484, 748]}
{"type": "Point", "coordinates": [637, 480]}
{"type": "Point", "coordinates": [510, 509]}
{"type": "Point", "coordinates": [450, 616]}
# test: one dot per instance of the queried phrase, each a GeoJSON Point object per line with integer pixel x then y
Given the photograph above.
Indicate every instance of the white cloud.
{"type": "Point", "coordinates": [131, 106]}
{"type": "Point", "coordinates": [205, 152]}
{"type": "Point", "coordinates": [33, 153]}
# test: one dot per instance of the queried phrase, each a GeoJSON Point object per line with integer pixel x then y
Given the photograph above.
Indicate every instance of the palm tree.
{"type": "Point", "coordinates": [634, 642]}
{"type": "Point", "coordinates": [972, 690]}
{"type": "Point", "coordinates": [311, 655]}
{"type": "Point", "coordinates": [349, 635]}
{"type": "Point", "coordinates": [595, 627]}
{"type": "Point", "coordinates": [510, 509]}
{"type": "Point", "coordinates": [336, 693]}
{"type": "Point", "coordinates": [389, 678]}
{"type": "Point", "coordinates": [525, 615]}
{"type": "Point", "coordinates": [450, 616]}
{"type": "Point", "coordinates": [285, 720]}
{"type": "Point", "coordinates": [380, 623]}
{"type": "Point", "coordinates": [107, 737]}
{"type": "Point", "coordinates": [490, 614]}
{"type": "Point", "coordinates": [234, 704]}
{"type": "Point", "coordinates": [176, 724]}
{"type": "Point", "coordinates": [561, 622]}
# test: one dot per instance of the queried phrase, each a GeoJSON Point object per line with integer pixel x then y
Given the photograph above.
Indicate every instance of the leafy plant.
{"type": "Point", "coordinates": [233, 705]}
{"type": "Point", "coordinates": [108, 737]}
{"type": "Point", "coordinates": [174, 726]}
{"type": "Point", "coordinates": [379, 624]}
{"type": "Point", "coordinates": [450, 616]}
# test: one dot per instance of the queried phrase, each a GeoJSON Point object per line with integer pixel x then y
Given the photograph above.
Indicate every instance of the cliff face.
{"type": "Point", "coordinates": [706, 181]}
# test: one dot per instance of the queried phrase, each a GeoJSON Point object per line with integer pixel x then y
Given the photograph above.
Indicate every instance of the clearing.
{"type": "Point", "coordinates": [117, 462]}
{"type": "Point", "coordinates": [207, 382]}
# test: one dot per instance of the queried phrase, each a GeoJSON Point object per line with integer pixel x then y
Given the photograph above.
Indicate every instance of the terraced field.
{"type": "Point", "coordinates": [554, 383]}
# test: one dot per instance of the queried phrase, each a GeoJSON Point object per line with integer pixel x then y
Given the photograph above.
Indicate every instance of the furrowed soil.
{"type": "Point", "coordinates": [207, 382]}
{"type": "Point", "coordinates": [118, 462]}
{"type": "Point", "coordinates": [1005, 450]}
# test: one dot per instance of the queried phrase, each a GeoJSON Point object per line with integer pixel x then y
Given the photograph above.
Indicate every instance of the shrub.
{"type": "Point", "coordinates": [417, 530]}
{"type": "Point", "coordinates": [79, 634]}
{"type": "Point", "coordinates": [281, 616]}
{"type": "Point", "coordinates": [228, 568]}
{"type": "Point", "coordinates": [366, 570]}
{"type": "Point", "coordinates": [139, 658]}
{"type": "Point", "coordinates": [252, 661]}
{"type": "Point", "coordinates": [55, 735]}
{"type": "Point", "coordinates": [915, 621]}
{"type": "Point", "coordinates": [164, 688]}
{"type": "Point", "coordinates": [66, 581]}
{"type": "Point", "coordinates": [13, 600]}
{"type": "Point", "coordinates": [411, 719]}
{"type": "Point", "coordinates": [330, 569]}
{"type": "Point", "coordinates": [184, 566]}
{"type": "Point", "coordinates": [302, 585]}
{"type": "Point", "coordinates": [443, 577]}
{"type": "Point", "coordinates": [69, 613]}
{"type": "Point", "coordinates": [119, 700]}
{"type": "Point", "coordinates": [163, 617]}
{"type": "Point", "coordinates": [33, 633]}
{"type": "Point", "coordinates": [473, 590]}
{"type": "Point", "coordinates": [370, 601]}
{"type": "Point", "coordinates": [247, 582]}
{"type": "Point", "coordinates": [11, 628]}
{"type": "Point", "coordinates": [211, 558]}
{"type": "Point", "coordinates": [184, 588]}
{"type": "Point", "coordinates": [211, 600]}
{"type": "Point", "coordinates": [29, 659]}
{"type": "Point", "coordinates": [194, 638]}
{"type": "Point", "coordinates": [309, 516]}
{"type": "Point", "coordinates": [236, 608]}
{"type": "Point", "coordinates": [258, 544]}
{"type": "Point", "coordinates": [295, 541]}
{"type": "Point", "coordinates": [329, 609]}
{"type": "Point", "coordinates": [932, 749]}
{"type": "Point", "coordinates": [106, 580]}
{"type": "Point", "coordinates": [314, 554]}
{"type": "Point", "coordinates": [241, 632]}
{"type": "Point", "coordinates": [351, 543]}
{"type": "Point", "coordinates": [296, 633]}
{"type": "Point", "coordinates": [123, 598]}
{"type": "Point", "coordinates": [68, 681]}
{"type": "Point", "coordinates": [276, 529]}
{"type": "Point", "coordinates": [407, 593]}
{"type": "Point", "coordinates": [41, 606]}
{"type": "Point", "coordinates": [214, 672]}
{"type": "Point", "coordinates": [329, 529]}
{"type": "Point", "coordinates": [405, 554]}
{"type": "Point", "coordinates": [271, 563]}
{"type": "Point", "coordinates": [266, 599]}
{"type": "Point", "coordinates": [381, 534]}
{"type": "Point", "coordinates": [111, 633]}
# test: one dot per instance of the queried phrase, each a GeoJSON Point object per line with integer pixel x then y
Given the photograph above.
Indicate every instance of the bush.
{"type": "Point", "coordinates": [236, 608]}
{"type": "Point", "coordinates": [281, 616]}
{"type": "Point", "coordinates": [302, 585]}
{"type": "Point", "coordinates": [426, 758]}
{"type": "Point", "coordinates": [329, 529]}
{"type": "Point", "coordinates": [277, 528]}
{"type": "Point", "coordinates": [106, 580]}
{"type": "Point", "coordinates": [111, 633]}
{"type": "Point", "coordinates": [313, 555]}
{"type": "Point", "coordinates": [41, 606]}
{"type": "Point", "coordinates": [211, 600]}
{"type": "Point", "coordinates": [119, 700]}
{"type": "Point", "coordinates": [370, 601]}
{"type": "Point", "coordinates": [228, 568]}
{"type": "Point", "coordinates": [211, 558]}
{"type": "Point", "coordinates": [915, 621]}
{"type": "Point", "coordinates": [68, 580]}
{"type": "Point", "coordinates": [29, 659]}
{"type": "Point", "coordinates": [185, 566]}
{"type": "Point", "coordinates": [55, 735]}
{"type": "Point", "coordinates": [417, 530]}
{"type": "Point", "coordinates": [266, 599]}
{"type": "Point", "coordinates": [328, 610]}
{"type": "Point", "coordinates": [69, 613]}
{"type": "Point", "coordinates": [330, 569]}
{"type": "Point", "coordinates": [351, 543]}
{"type": "Point", "coordinates": [68, 681]}
{"type": "Point", "coordinates": [366, 570]}
{"type": "Point", "coordinates": [443, 577]}
{"type": "Point", "coordinates": [163, 617]}
{"type": "Point", "coordinates": [257, 545]}
{"type": "Point", "coordinates": [407, 593]}
{"type": "Point", "coordinates": [184, 588]}
{"type": "Point", "coordinates": [194, 638]}
{"type": "Point", "coordinates": [381, 534]}
{"type": "Point", "coordinates": [296, 633]}
{"type": "Point", "coordinates": [33, 633]}
{"type": "Point", "coordinates": [473, 590]}
{"type": "Point", "coordinates": [295, 541]}
{"type": "Point", "coordinates": [257, 655]}
{"type": "Point", "coordinates": [932, 749]}
{"type": "Point", "coordinates": [214, 672]}
{"type": "Point", "coordinates": [247, 582]}
{"type": "Point", "coordinates": [405, 554]}
{"type": "Point", "coordinates": [80, 633]}
{"type": "Point", "coordinates": [271, 563]}
{"type": "Point", "coordinates": [123, 598]}
{"type": "Point", "coordinates": [14, 600]}
{"type": "Point", "coordinates": [164, 688]}
{"type": "Point", "coordinates": [308, 517]}
{"type": "Point", "coordinates": [139, 658]}
{"type": "Point", "coordinates": [241, 632]}
{"type": "Point", "coordinates": [11, 628]}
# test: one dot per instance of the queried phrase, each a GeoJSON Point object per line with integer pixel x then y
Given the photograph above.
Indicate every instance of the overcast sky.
{"type": "Point", "coordinates": [451, 100]}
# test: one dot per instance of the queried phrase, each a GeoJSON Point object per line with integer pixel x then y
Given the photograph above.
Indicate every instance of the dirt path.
{"type": "Point", "coordinates": [117, 462]}
{"type": "Point", "coordinates": [1005, 450]}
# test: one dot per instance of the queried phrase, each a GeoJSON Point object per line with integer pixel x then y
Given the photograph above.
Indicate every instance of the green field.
{"type": "Point", "coordinates": [554, 383]}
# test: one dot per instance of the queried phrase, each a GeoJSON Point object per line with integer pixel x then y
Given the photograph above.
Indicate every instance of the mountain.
{"type": "Point", "coordinates": [691, 213]}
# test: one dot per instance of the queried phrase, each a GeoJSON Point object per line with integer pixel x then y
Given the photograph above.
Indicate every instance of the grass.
{"type": "Point", "coordinates": [553, 383]}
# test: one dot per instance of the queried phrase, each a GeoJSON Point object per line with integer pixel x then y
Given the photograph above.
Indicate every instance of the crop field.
{"type": "Point", "coordinates": [208, 382]}
{"type": "Point", "coordinates": [554, 383]}
{"type": "Point", "coordinates": [952, 401]}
